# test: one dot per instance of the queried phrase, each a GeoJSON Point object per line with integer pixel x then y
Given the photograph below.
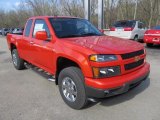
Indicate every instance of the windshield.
{"type": "Point", "coordinates": [156, 27]}
{"type": "Point", "coordinates": [73, 27]}
{"type": "Point", "coordinates": [125, 24]}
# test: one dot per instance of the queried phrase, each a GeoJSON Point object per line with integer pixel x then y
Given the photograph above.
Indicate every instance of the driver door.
{"type": "Point", "coordinates": [43, 54]}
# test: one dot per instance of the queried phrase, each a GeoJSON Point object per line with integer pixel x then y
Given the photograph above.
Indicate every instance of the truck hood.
{"type": "Point", "coordinates": [105, 44]}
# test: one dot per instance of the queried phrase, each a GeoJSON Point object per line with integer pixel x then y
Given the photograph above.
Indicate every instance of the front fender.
{"type": "Point", "coordinates": [79, 59]}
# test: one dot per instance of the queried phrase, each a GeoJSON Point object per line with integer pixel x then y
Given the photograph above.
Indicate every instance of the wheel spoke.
{"type": "Point", "coordinates": [74, 93]}
{"type": "Point", "coordinates": [14, 58]}
{"type": "Point", "coordinates": [73, 97]}
{"type": "Point", "coordinates": [68, 94]}
{"type": "Point", "coordinates": [64, 87]}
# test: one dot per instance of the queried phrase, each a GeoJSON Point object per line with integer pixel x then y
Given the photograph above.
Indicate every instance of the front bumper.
{"type": "Point", "coordinates": [116, 85]}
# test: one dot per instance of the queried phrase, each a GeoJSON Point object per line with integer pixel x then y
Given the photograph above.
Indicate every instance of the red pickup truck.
{"type": "Point", "coordinates": [85, 62]}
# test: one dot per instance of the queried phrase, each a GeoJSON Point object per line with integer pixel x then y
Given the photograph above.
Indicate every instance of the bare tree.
{"type": "Point", "coordinates": [135, 10]}
{"type": "Point", "coordinates": [72, 7]}
{"type": "Point", "coordinates": [147, 11]}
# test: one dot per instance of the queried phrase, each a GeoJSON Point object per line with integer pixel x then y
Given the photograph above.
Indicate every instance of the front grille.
{"type": "Point", "coordinates": [132, 54]}
{"type": "Point", "coordinates": [133, 65]}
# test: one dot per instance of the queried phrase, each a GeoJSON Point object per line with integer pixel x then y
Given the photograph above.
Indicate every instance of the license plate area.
{"type": "Point", "coordinates": [119, 29]}
{"type": "Point", "coordinates": [156, 39]}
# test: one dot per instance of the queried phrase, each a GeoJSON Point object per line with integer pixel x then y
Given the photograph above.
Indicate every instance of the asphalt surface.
{"type": "Point", "coordinates": [28, 95]}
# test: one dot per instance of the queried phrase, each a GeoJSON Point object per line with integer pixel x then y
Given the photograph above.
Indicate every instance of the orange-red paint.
{"type": "Point", "coordinates": [44, 54]}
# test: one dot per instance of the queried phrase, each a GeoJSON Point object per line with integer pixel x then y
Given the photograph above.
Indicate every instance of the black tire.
{"type": "Point", "coordinates": [136, 38]}
{"type": "Point", "coordinates": [149, 44]}
{"type": "Point", "coordinates": [77, 77]}
{"type": "Point", "coordinates": [17, 61]}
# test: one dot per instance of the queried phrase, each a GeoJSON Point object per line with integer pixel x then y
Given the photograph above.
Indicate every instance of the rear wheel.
{"type": "Point", "coordinates": [136, 38]}
{"type": "Point", "coordinates": [149, 44]}
{"type": "Point", "coordinates": [71, 87]}
{"type": "Point", "coordinates": [17, 61]}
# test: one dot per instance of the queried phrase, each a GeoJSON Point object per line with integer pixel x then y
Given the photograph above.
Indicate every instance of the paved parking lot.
{"type": "Point", "coordinates": [27, 95]}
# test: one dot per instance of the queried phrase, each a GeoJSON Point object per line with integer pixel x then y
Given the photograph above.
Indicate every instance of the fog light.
{"type": "Point", "coordinates": [106, 91]}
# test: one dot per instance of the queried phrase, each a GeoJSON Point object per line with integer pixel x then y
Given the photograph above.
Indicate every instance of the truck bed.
{"type": "Point", "coordinates": [13, 38]}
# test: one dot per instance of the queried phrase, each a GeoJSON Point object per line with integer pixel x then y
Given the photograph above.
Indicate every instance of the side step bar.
{"type": "Point", "coordinates": [40, 71]}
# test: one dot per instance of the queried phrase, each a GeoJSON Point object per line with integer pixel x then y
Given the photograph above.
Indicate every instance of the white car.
{"type": "Point", "coordinates": [18, 31]}
{"type": "Point", "coordinates": [128, 29]}
{"type": "Point", "coordinates": [0, 32]}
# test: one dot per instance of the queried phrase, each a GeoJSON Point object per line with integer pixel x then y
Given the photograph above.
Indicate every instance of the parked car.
{"type": "Point", "coordinates": [128, 29]}
{"type": "Point", "coordinates": [152, 36]}
{"type": "Point", "coordinates": [11, 30]}
{"type": "Point", "coordinates": [0, 31]}
{"type": "Point", "coordinates": [18, 31]}
{"type": "Point", "coordinates": [86, 64]}
{"type": "Point", "coordinates": [5, 31]}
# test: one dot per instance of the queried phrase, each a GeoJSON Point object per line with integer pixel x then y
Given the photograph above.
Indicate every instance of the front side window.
{"type": "Point", "coordinates": [40, 25]}
{"type": "Point", "coordinates": [28, 27]}
{"type": "Point", "coordinates": [73, 27]}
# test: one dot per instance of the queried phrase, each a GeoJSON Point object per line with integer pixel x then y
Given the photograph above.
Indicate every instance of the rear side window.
{"type": "Point", "coordinates": [28, 27]}
{"type": "Point", "coordinates": [141, 25]}
{"type": "Point", "coordinates": [125, 24]}
{"type": "Point", "coordinates": [156, 28]}
{"type": "Point", "coordinates": [40, 25]}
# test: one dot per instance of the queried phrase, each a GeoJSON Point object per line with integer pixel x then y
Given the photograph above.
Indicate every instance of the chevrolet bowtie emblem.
{"type": "Point", "coordinates": [137, 58]}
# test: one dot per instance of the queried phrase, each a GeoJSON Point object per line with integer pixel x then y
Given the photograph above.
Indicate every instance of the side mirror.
{"type": "Point", "coordinates": [41, 35]}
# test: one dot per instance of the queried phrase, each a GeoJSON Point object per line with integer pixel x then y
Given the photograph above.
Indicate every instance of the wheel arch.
{"type": "Point", "coordinates": [63, 62]}
{"type": "Point", "coordinates": [12, 46]}
{"type": "Point", "coordinates": [135, 35]}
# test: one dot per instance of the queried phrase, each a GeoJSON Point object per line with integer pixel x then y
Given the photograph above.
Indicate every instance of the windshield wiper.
{"type": "Point", "coordinates": [67, 36]}
{"type": "Point", "coordinates": [90, 34]}
{"type": "Point", "coordinates": [80, 35]}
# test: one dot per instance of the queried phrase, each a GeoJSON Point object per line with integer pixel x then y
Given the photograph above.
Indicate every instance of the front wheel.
{"type": "Point", "coordinates": [17, 61]}
{"type": "Point", "coordinates": [71, 87]}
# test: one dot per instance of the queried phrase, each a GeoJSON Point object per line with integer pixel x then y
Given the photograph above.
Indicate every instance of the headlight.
{"type": "Point", "coordinates": [106, 72]}
{"type": "Point", "coordinates": [102, 58]}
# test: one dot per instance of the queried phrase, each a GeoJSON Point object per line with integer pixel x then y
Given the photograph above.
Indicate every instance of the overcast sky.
{"type": "Point", "coordinates": [9, 4]}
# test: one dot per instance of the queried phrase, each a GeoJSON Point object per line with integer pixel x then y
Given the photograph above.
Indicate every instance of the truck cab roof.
{"type": "Point", "coordinates": [38, 17]}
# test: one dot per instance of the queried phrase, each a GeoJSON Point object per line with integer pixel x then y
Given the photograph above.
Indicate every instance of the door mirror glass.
{"type": "Point", "coordinates": [41, 35]}
{"type": "Point", "coordinates": [40, 25]}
